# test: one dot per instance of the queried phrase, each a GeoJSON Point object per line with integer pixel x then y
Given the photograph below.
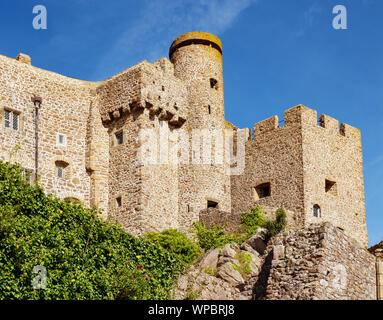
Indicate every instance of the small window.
{"type": "Point", "coordinates": [7, 118]}
{"type": "Point", "coordinates": [262, 191]}
{"type": "Point", "coordinates": [61, 139]}
{"type": "Point", "coordinates": [331, 187]}
{"type": "Point", "coordinates": [316, 211]}
{"type": "Point", "coordinates": [60, 172]}
{"type": "Point", "coordinates": [209, 109]}
{"type": "Point", "coordinates": [118, 202]}
{"type": "Point", "coordinates": [12, 118]}
{"type": "Point", "coordinates": [212, 204]}
{"type": "Point", "coordinates": [15, 121]}
{"type": "Point", "coordinates": [60, 168]}
{"type": "Point", "coordinates": [119, 138]}
{"type": "Point", "coordinates": [213, 83]}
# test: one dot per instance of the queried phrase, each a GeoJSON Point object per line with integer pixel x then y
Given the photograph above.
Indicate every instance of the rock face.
{"type": "Point", "coordinates": [221, 274]}
{"type": "Point", "coordinates": [210, 260]}
{"type": "Point", "coordinates": [257, 241]}
{"type": "Point", "coordinates": [316, 262]}
{"type": "Point", "coordinates": [230, 275]}
{"type": "Point", "coordinates": [196, 284]}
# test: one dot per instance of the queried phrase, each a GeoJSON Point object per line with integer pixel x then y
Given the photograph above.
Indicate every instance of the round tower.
{"type": "Point", "coordinates": [197, 59]}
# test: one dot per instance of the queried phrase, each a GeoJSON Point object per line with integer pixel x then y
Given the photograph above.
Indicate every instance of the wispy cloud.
{"type": "Point", "coordinates": [375, 161]}
{"type": "Point", "coordinates": [159, 22]}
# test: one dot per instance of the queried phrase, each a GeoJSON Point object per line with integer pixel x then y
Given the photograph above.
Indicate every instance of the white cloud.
{"type": "Point", "coordinates": [160, 22]}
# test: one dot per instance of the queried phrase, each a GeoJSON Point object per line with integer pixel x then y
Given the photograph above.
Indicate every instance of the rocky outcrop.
{"type": "Point", "coordinates": [221, 274]}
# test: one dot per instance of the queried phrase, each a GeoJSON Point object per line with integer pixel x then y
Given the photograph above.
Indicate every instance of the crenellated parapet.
{"type": "Point", "coordinates": [148, 88]}
{"type": "Point", "coordinates": [303, 117]}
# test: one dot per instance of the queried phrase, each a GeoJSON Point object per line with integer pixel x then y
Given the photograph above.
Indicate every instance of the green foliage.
{"type": "Point", "coordinates": [276, 226]}
{"type": "Point", "coordinates": [85, 258]}
{"type": "Point", "coordinates": [214, 237]}
{"type": "Point", "coordinates": [177, 243]}
{"type": "Point", "coordinates": [253, 220]}
{"type": "Point", "coordinates": [210, 271]}
{"type": "Point", "coordinates": [244, 264]}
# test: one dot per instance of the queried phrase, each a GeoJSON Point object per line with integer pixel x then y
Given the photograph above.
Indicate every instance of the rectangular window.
{"type": "Point", "coordinates": [212, 204]}
{"type": "Point", "coordinates": [118, 202]}
{"type": "Point", "coordinates": [119, 138]}
{"type": "Point", "coordinates": [7, 118]}
{"type": "Point", "coordinates": [61, 139]}
{"type": "Point", "coordinates": [60, 172]}
{"type": "Point", "coordinates": [15, 122]}
{"type": "Point", "coordinates": [11, 119]}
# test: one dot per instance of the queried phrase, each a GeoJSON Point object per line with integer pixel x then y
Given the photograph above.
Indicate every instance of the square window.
{"type": "Point", "coordinates": [12, 119]}
{"type": "Point", "coordinates": [262, 191]}
{"type": "Point", "coordinates": [61, 139]}
{"type": "Point", "coordinates": [331, 187]}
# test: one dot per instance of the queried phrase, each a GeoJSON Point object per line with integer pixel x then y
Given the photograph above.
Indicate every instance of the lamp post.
{"type": "Point", "coordinates": [37, 104]}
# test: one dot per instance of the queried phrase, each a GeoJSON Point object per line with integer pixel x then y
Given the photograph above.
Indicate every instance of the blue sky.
{"type": "Point", "coordinates": [277, 54]}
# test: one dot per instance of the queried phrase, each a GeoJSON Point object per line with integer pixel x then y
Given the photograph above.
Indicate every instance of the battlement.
{"type": "Point", "coordinates": [304, 117]}
{"type": "Point", "coordinates": [145, 87]}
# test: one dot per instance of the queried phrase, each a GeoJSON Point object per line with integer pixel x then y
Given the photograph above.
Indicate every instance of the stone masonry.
{"type": "Point", "coordinates": [90, 145]}
{"type": "Point", "coordinates": [318, 262]}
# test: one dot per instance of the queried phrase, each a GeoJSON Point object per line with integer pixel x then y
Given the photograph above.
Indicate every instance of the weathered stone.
{"type": "Point", "coordinates": [229, 274]}
{"type": "Point", "coordinates": [279, 252]}
{"type": "Point", "coordinates": [257, 241]}
{"type": "Point", "coordinates": [210, 260]}
{"type": "Point", "coordinates": [228, 251]}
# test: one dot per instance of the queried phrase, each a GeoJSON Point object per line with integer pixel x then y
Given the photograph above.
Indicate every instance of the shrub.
{"type": "Point", "coordinates": [276, 226]}
{"type": "Point", "coordinates": [85, 258]}
{"type": "Point", "coordinates": [214, 237]}
{"type": "Point", "coordinates": [253, 220]}
{"type": "Point", "coordinates": [176, 242]}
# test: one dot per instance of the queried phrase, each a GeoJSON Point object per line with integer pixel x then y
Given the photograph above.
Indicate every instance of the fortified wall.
{"type": "Point", "coordinates": [314, 169]}
{"type": "Point", "coordinates": [318, 262]}
{"type": "Point", "coordinates": [84, 142]}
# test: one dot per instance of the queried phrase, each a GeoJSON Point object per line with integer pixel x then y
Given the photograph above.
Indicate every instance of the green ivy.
{"type": "Point", "coordinates": [177, 243]}
{"type": "Point", "coordinates": [85, 258]}
{"type": "Point", "coordinates": [215, 237]}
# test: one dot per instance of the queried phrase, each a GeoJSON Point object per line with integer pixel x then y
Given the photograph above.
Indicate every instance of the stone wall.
{"type": "Point", "coordinates": [317, 262]}
{"type": "Point", "coordinates": [64, 109]}
{"type": "Point", "coordinates": [305, 164]}
{"type": "Point", "coordinates": [213, 216]}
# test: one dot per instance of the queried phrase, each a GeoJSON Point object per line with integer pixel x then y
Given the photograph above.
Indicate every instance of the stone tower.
{"type": "Point", "coordinates": [197, 60]}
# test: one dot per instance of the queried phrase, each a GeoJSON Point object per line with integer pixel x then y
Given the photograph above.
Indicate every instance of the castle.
{"type": "Point", "coordinates": [82, 140]}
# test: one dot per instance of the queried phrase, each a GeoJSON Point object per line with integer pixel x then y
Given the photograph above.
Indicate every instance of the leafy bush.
{"type": "Point", "coordinates": [276, 226]}
{"type": "Point", "coordinates": [214, 237]}
{"type": "Point", "coordinates": [177, 243]}
{"type": "Point", "coordinates": [253, 220]}
{"type": "Point", "coordinates": [85, 258]}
